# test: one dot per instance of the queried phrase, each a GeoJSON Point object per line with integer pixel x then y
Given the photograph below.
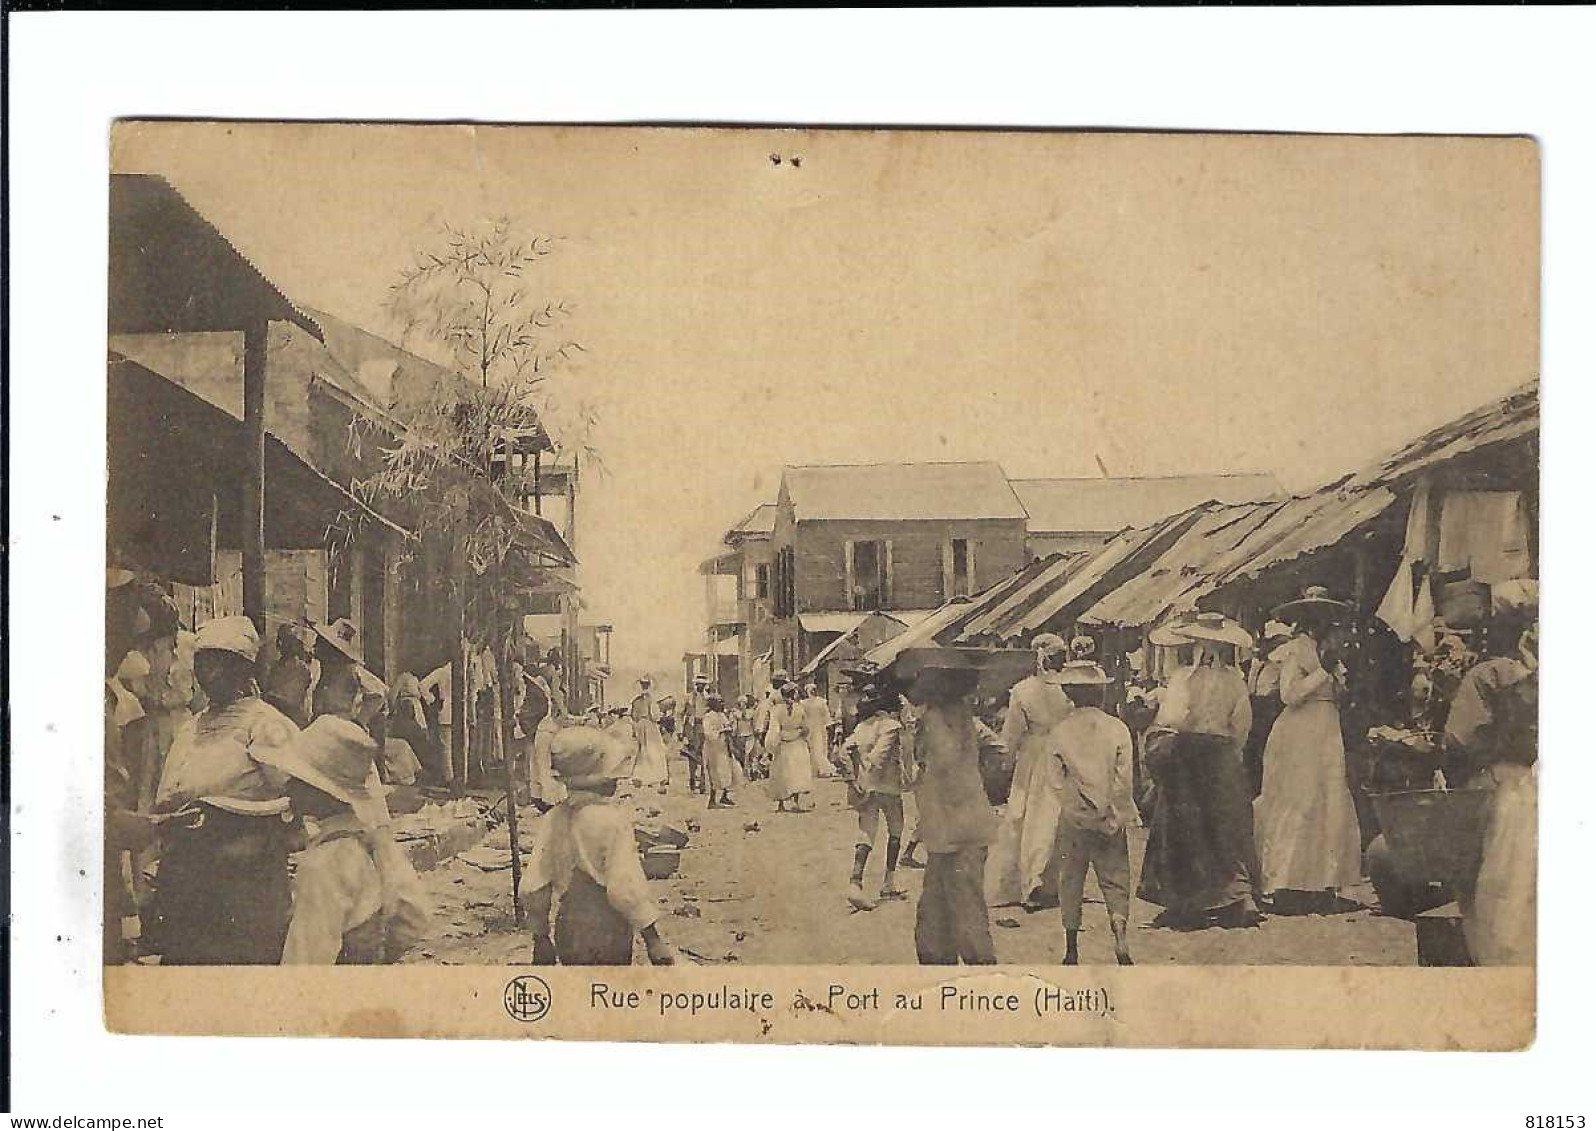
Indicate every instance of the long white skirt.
{"type": "Point", "coordinates": [819, 758]}
{"type": "Point", "coordinates": [1499, 922]}
{"type": "Point", "coordinates": [1304, 820]}
{"type": "Point", "coordinates": [651, 766]}
{"type": "Point", "coordinates": [790, 770]}
{"type": "Point", "coordinates": [1028, 837]}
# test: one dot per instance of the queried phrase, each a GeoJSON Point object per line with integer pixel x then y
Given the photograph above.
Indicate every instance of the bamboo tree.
{"type": "Point", "coordinates": [472, 299]}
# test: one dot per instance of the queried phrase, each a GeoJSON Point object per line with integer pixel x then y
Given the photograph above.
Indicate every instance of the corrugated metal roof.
{"type": "Point", "coordinates": [920, 634]}
{"type": "Point", "coordinates": [1513, 417]}
{"type": "Point", "coordinates": [1083, 584]}
{"type": "Point", "coordinates": [998, 602]}
{"type": "Point", "coordinates": [1105, 505]}
{"type": "Point", "coordinates": [901, 491]}
{"type": "Point", "coordinates": [1312, 523]}
{"type": "Point", "coordinates": [172, 271]}
{"type": "Point", "coordinates": [1178, 576]}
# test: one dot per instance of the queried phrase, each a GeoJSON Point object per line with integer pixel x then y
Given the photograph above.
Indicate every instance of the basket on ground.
{"type": "Point", "coordinates": [1435, 834]}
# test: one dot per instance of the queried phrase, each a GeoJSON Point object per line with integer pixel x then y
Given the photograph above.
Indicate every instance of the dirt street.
{"type": "Point", "coordinates": [777, 896]}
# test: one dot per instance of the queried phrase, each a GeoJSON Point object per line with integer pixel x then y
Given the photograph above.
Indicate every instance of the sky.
{"type": "Point", "coordinates": [1164, 303]}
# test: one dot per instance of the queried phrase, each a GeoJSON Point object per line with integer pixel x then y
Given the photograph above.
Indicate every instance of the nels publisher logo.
{"type": "Point", "coordinates": [527, 998]}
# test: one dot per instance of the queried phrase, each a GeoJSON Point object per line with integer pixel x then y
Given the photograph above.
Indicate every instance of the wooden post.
{"type": "Point", "coordinates": [506, 698]}
{"type": "Point", "coordinates": [253, 524]}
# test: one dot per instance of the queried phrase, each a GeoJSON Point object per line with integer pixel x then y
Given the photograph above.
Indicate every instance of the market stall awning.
{"type": "Point", "coordinates": [920, 634]}
{"type": "Point", "coordinates": [831, 621]}
{"type": "Point", "coordinates": [171, 271]}
{"type": "Point", "coordinates": [1181, 573]}
{"type": "Point", "coordinates": [848, 642]}
{"type": "Point", "coordinates": [1516, 416]}
{"type": "Point", "coordinates": [171, 453]}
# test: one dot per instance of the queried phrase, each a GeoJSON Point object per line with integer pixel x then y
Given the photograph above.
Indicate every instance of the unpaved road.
{"type": "Point", "coordinates": [776, 896]}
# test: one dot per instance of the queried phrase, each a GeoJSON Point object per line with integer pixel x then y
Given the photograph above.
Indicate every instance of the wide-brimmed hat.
{"type": "Point", "coordinates": [1168, 634]}
{"type": "Point", "coordinates": [1315, 599]}
{"type": "Point", "coordinates": [1083, 673]}
{"type": "Point", "coordinates": [1215, 627]}
{"type": "Point", "coordinates": [1082, 648]}
{"type": "Point", "coordinates": [229, 634]}
{"type": "Point", "coordinates": [337, 757]}
{"type": "Point", "coordinates": [342, 637]}
{"type": "Point", "coordinates": [583, 757]}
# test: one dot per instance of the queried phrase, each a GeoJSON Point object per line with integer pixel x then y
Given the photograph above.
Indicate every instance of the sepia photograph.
{"type": "Point", "coordinates": [812, 560]}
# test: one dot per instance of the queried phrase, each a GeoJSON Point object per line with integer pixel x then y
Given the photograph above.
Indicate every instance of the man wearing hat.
{"type": "Point", "coordinates": [1024, 863]}
{"type": "Point", "coordinates": [695, 706]}
{"type": "Point", "coordinates": [1096, 755]}
{"type": "Point", "coordinates": [586, 855]}
{"type": "Point", "coordinates": [956, 822]}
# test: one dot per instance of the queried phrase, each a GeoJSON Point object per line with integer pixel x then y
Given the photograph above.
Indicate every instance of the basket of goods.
{"type": "Point", "coordinates": [1435, 834]}
{"type": "Point", "coordinates": [1400, 759]}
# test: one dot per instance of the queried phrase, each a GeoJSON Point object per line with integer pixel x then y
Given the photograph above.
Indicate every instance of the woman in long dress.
{"type": "Point", "coordinates": [717, 753]}
{"type": "Point", "coordinates": [651, 767]}
{"type": "Point", "coordinates": [1492, 725]}
{"type": "Point", "coordinates": [792, 776]}
{"type": "Point", "coordinates": [1199, 860]}
{"type": "Point", "coordinates": [1307, 826]}
{"type": "Point", "coordinates": [1024, 864]}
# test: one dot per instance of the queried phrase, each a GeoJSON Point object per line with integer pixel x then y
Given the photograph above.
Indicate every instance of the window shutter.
{"type": "Point", "coordinates": [848, 599]}
{"type": "Point", "coordinates": [950, 583]}
{"type": "Point", "coordinates": [886, 576]}
{"type": "Point", "coordinates": [969, 567]}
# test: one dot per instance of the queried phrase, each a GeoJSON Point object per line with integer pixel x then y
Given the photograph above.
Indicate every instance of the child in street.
{"type": "Point", "coordinates": [357, 899]}
{"type": "Point", "coordinates": [1098, 758]}
{"type": "Point", "coordinates": [879, 779]}
{"type": "Point", "coordinates": [585, 860]}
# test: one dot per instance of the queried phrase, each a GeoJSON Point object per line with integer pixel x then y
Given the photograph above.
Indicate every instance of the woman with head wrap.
{"type": "Point", "coordinates": [223, 892]}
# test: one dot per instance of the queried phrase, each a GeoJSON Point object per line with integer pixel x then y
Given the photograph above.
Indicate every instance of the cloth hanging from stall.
{"type": "Point", "coordinates": [1408, 606]}
{"type": "Point", "coordinates": [1485, 533]}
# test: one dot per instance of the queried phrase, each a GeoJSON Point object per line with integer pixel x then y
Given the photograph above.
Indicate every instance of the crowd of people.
{"type": "Point", "coordinates": [221, 767]}
{"type": "Point", "coordinates": [213, 784]}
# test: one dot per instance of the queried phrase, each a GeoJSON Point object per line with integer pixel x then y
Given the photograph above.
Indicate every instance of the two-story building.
{"type": "Point", "coordinates": [851, 540]}
{"type": "Point", "coordinates": [738, 603]}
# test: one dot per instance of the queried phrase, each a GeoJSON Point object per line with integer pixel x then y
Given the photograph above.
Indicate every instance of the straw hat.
{"type": "Point", "coordinates": [1168, 635]}
{"type": "Point", "coordinates": [1314, 599]}
{"type": "Point", "coordinates": [583, 757]}
{"type": "Point", "coordinates": [229, 634]}
{"type": "Point", "coordinates": [1083, 673]}
{"type": "Point", "coordinates": [337, 757]}
{"type": "Point", "coordinates": [342, 637]}
{"type": "Point", "coordinates": [1276, 630]}
{"type": "Point", "coordinates": [1215, 627]}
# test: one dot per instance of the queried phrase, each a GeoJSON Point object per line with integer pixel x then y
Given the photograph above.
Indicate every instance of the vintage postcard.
{"type": "Point", "coordinates": [794, 585]}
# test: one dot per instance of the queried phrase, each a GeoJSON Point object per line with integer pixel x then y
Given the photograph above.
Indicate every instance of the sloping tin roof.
{"type": "Point", "coordinates": [901, 491]}
{"type": "Point", "coordinates": [172, 271]}
{"type": "Point", "coordinates": [1176, 577]}
{"type": "Point", "coordinates": [760, 520]}
{"type": "Point", "coordinates": [1513, 417]}
{"type": "Point", "coordinates": [1083, 583]}
{"type": "Point", "coordinates": [1060, 506]}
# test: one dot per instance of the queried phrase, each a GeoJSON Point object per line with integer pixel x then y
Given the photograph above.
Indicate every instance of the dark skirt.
{"type": "Point", "coordinates": [1199, 845]}
{"type": "Point", "coordinates": [223, 894]}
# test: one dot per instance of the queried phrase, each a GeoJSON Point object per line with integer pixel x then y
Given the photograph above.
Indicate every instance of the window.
{"type": "Point", "coordinates": [868, 574]}
{"type": "Point", "coordinates": [786, 583]}
{"type": "Point", "coordinates": [543, 604]}
{"type": "Point", "coordinates": [958, 568]}
{"type": "Point", "coordinates": [762, 580]}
